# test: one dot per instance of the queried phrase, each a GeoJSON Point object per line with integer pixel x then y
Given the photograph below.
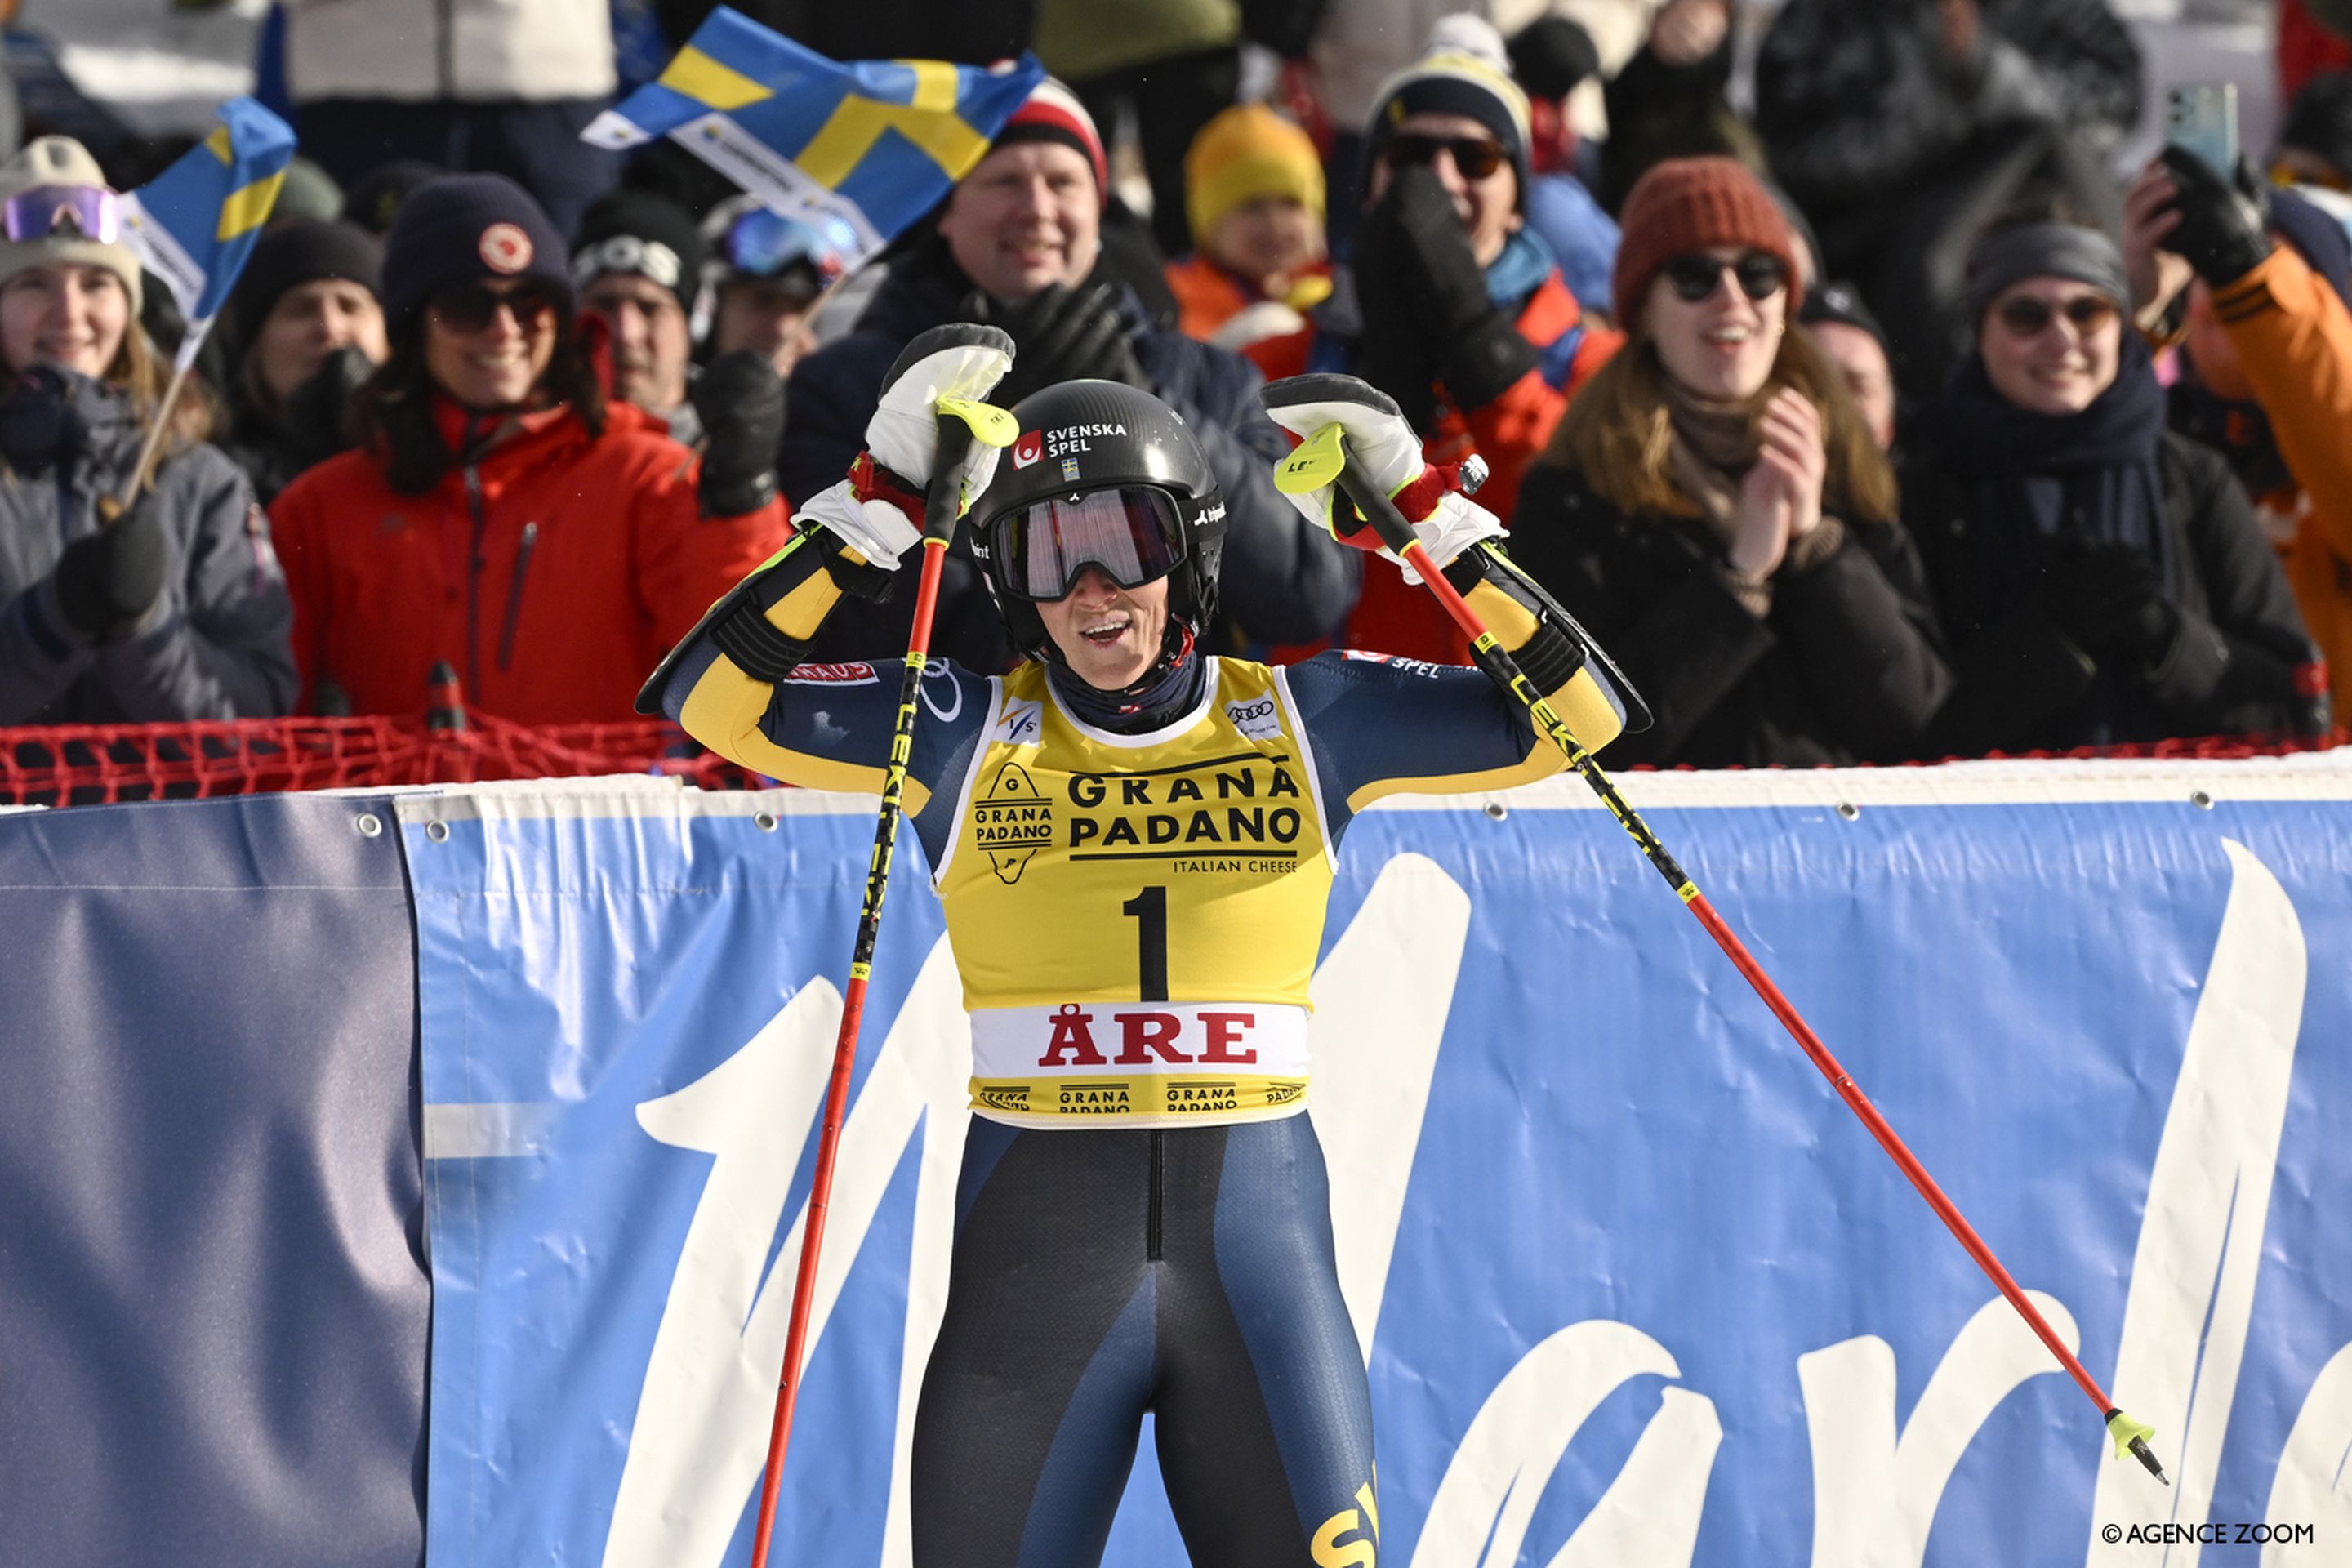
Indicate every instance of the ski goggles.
{"type": "Point", "coordinates": [1695, 277]}
{"type": "Point", "coordinates": [63, 212]}
{"type": "Point", "coordinates": [1133, 536]}
{"type": "Point", "coordinates": [766, 245]}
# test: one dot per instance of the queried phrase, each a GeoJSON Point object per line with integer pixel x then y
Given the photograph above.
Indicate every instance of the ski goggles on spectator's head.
{"type": "Point", "coordinates": [2024, 316]}
{"type": "Point", "coordinates": [763, 244]}
{"type": "Point", "coordinates": [628, 253]}
{"type": "Point", "coordinates": [1475, 156]}
{"type": "Point", "coordinates": [471, 306]}
{"type": "Point", "coordinates": [1133, 535]}
{"type": "Point", "coordinates": [1695, 277]}
{"type": "Point", "coordinates": [63, 212]}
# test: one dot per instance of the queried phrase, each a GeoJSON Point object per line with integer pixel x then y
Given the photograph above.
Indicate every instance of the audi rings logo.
{"type": "Point", "coordinates": [1029, 448]}
{"type": "Point", "coordinates": [505, 248]}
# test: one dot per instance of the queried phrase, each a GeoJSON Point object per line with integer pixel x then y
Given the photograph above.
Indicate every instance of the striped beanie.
{"type": "Point", "coordinates": [1466, 72]}
{"type": "Point", "coordinates": [1052, 113]}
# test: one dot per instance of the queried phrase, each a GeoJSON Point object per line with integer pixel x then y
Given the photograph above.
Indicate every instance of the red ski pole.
{"type": "Point", "coordinates": [1380, 511]}
{"type": "Point", "coordinates": [941, 515]}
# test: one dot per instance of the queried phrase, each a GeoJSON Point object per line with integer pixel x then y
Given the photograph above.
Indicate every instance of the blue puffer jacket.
{"type": "Point", "coordinates": [214, 647]}
{"type": "Point", "coordinates": [1282, 580]}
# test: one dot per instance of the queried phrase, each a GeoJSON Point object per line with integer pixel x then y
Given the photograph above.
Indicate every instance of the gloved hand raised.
{"type": "Point", "coordinates": [2108, 600]}
{"type": "Point", "coordinates": [1064, 335]}
{"type": "Point", "coordinates": [1387, 451]}
{"type": "Point", "coordinates": [1475, 346]}
{"type": "Point", "coordinates": [106, 582]}
{"type": "Point", "coordinates": [740, 399]}
{"type": "Point", "coordinates": [2224, 228]}
{"type": "Point", "coordinates": [877, 511]}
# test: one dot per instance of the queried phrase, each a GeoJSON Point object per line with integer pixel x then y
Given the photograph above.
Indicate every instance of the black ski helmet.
{"type": "Point", "coordinates": [1082, 435]}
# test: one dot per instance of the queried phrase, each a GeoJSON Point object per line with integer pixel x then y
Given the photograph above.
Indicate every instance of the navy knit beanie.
{"type": "Point", "coordinates": [468, 226]}
{"type": "Point", "coordinates": [303, 251]}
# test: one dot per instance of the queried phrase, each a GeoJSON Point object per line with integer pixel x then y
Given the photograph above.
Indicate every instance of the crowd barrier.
{"type": "Point", "coordinates": [1633, 1288]}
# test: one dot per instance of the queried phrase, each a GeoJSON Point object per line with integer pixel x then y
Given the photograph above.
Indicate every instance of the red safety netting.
{"type": "Point", "coordinates": [85, 764]}
{"type": "Point", "coordinates": [88, 765]}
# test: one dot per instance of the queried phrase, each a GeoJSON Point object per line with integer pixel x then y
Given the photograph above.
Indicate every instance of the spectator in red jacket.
{"type": "Point", "coordinates": [499, 514]}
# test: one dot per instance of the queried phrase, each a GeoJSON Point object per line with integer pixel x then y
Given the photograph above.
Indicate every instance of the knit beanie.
{"type": "Point", "coordinates": [306, 191]}
{"type": "Point", "coordinates": [375, 198]}
{"type": "Point", "coordinates": [464, 227]}
{"type": "Point", "coordinates": [303, 251]}
{"type": "Point", "coordinates": [1686, 204]}
{"type": "Point", "coordinates": [1552, 55]}
{"type": "Point", "coordinates": [644, 233]}
{"type": "Point", "coordinates": [1246, 153]}
{"type": "Point", "coordinates": [1466, 72]}
{"type": "Point", "coordinates": [1052, 113]}
{"type": "Point", "coordinates": [2315, 235]}
{"type": "Point", "coordinates": [2319, 120]}
{"type": "Point", "coordinates": [61, 161]}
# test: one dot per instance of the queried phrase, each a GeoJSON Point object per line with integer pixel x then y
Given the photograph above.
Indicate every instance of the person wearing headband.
{"type": "Point", "coordinates": [176, 608]}
{"type": "Point", "coordinates": [1714, 508]}
{"type": "Point", "coordinates": [501, 514]}
{"type": "Point", "coordinates": [2099, 579]}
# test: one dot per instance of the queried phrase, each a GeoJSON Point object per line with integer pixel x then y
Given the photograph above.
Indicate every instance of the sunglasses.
{"type": "Point", "coordinates": [1696, 277]}
{"type": "Point", "coordinates": [471, 306]}
{"type": "Point", "coordinates": [2026, 317]}
{"type": "Point", "coordinates": [1475, 156]}
{"type": "Point", "coordinates": [63, 212]}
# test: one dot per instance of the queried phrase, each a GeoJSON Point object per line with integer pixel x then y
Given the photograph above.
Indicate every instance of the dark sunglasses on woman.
{"type": "Point", "coordinates": [1696, 277]}
{"type": "Point", "coordinates": [1475, 156]}
{"type": "Point", "coordinates": [468, 307]}
{"type": "Point", "coordinates": [2027, 317]}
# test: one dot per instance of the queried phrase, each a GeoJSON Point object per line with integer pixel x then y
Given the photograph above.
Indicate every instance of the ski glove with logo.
{"type": "Point", "coordinates": [1382, 445]}
{"type": "Point", "coordinates": [877, 511]}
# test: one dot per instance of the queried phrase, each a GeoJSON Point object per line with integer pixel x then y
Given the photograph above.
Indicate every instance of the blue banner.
{"type": "Point", "coordinates": [213, 1292]}
{"type": "Point", "coordinates": [1635, 1287]}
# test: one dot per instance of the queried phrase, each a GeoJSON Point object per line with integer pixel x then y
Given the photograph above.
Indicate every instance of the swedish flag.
{"type": "Point", "coordinates": [875, 143]}
{"type": "Point", "coordinates": [194, 224]}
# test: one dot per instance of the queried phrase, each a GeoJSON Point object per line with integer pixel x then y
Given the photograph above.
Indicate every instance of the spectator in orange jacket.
{"type": "Point", "coordinates": [2266, 369]}
{"type": "Point", "coordinates": [1253, 190]}
{"type": "Point", "coordinates": [1457, 309]}
{"type": "Point", "coordinates": [499, 514]}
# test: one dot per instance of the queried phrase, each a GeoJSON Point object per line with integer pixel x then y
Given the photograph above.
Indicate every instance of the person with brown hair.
{"type": "Point", "coordinates": [1713, 508]}
{"type": "Point", "coordinates": [499, 513]}
{"type": "Point", "coordinates": [174, 610]}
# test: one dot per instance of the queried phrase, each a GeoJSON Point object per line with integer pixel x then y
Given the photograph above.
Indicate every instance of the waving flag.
{"type": "Point", "coordinates": [194, 224]}
{"type": "Point", "coordinates": [875, 144]}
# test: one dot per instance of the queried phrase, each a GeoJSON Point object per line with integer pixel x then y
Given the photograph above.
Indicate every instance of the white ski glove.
{"type": "Point", "coordinates": [1384, 446]}
{"type": "Point", "coordinates": [945, 371]}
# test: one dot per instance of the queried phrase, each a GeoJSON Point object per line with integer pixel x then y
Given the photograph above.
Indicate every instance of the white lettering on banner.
{"type": "Point", "coordinates": [1382, 997]}
{"type": "Point", "coordinates": [2209, 1199]}
{"type": "Point", "coordinates": [1875, 1494]}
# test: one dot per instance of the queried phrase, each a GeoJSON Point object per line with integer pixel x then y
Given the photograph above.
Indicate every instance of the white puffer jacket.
{"type": "Point", "coordinates": [468, 50]}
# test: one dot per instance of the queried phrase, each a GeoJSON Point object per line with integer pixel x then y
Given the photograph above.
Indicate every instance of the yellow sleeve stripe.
{"type": "Point", "coordinates": [1511, 621]}
{"type": "Point", "coordinates": [1581, 705]}
{"type": "Point", "coordinates": [800, 612]}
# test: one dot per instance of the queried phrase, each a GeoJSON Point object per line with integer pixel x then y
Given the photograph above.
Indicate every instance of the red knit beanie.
{"type": "Point", "coordinates": [1685, 204]}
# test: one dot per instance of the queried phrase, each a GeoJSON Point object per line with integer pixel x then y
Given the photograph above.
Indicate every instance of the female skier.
{"type": "Point", "coordinates": [1134, 843]}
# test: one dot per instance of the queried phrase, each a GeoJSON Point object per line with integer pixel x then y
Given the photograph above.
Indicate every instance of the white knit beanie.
{"type": "Point", "coordinates": [60, 160]}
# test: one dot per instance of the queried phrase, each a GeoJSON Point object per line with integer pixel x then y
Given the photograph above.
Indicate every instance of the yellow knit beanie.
{"type": "Point", "coordinates": [1245, 152]}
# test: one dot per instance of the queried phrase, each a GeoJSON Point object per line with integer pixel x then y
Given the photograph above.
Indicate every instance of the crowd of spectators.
{"type": "Point", "coordinates": [1884, 415]}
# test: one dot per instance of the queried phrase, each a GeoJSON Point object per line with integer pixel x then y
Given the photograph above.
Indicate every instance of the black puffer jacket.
{"type": "Point", "coordinates": [1282, 581]}
{"type": "Point", "coordinates": [1859, 100]}
{"type": "Point", "coordinates": [2241, 666]}
{"type": "Point", "coordinates": [215, 646]}
{"type": "Point", "coordinates": [1844, 669]}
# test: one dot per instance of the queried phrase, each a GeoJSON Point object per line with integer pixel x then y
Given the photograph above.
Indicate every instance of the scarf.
{"type": "Point", "coordinates": [1166, 692]}
{"type": "Point", "coordinates": [2031, 477]}
{"type": "Point", "coordinates": [1710, 448]}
